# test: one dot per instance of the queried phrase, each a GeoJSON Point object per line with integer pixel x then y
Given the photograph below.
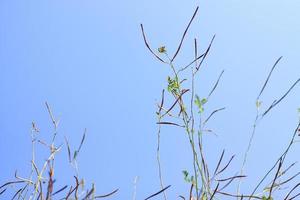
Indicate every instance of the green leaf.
{"type": "Point", "coordinates": [186, 175]}
{"type": "Point", "coordinates": [201, 110]}
{"type": "Point", "coordinates": [203, 101]}
{"type": "Point", "coordinates": [173, 85]}
{"type": "Point", "coordinates": [199, 103]}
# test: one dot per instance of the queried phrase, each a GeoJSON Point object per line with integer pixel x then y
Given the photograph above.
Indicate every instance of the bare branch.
{"type": "Point", "coordinates": [148, 46]}
{"type": "Point", "coordinates": [157, 193]}
{"type": "Point", "coordinates": [267, 80]}
{"type": "Point", "coordinates": [183, 36]}
{"type": "Point", "coordinates": [107, 195]}
{"type": "Point", "coordinates": [216, 84]}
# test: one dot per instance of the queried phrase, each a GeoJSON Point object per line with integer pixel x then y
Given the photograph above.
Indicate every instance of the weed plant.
{"type": "Point", "coordinates": [187, 112]}
{"type": "Point", "coordinates": [182, 107]}
{"type": "Point", "coordinates": [40, 183]}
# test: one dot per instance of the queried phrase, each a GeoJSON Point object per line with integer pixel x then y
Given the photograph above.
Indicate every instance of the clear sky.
{"type": "Point", "coordinates": [87, 59]}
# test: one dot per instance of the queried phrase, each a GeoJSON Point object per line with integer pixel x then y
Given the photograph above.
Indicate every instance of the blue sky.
{"type": "Point", "coordinates": [87, 59]}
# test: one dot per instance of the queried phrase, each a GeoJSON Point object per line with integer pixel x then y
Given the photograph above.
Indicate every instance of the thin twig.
{"type": "Point", "coordinates": [281, 157]}
{"type": "Point", "coordinates": [183, 36]}
{"type": "Point", "coordinates": [157, 193]}
{"type": "Point", "coordinates": [205, 54]}
{"type": "Point", "coordinates": [216, 84]}
{"type": "Point", "coordinates": [214, 112]}
{"type": "Point", "coordinates": [277, 102]}
{"type": "Point", "coordinates": [269, 75]}
{"type": "Point", "coordinates": [148, 46]}
{"type": "Point", "coordinates": [107, 195]}
{"type": "Point", "coordinates": [275, 178]}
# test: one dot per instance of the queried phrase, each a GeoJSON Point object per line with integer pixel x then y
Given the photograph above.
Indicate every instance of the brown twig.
{"type": "Point", "coordinates": [183, 36]}
{"type": "Point", "coordinates": [148, 46]}
{"type": "Point", "coordinates": [107, 195]}
{"type": "Point", "coordinates": [157, 193]}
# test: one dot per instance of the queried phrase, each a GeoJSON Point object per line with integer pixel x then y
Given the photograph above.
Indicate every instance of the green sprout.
{"type": "Point", "coordinates": [199, 103]}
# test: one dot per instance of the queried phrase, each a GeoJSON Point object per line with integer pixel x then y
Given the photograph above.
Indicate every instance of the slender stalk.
{"type": "Point", "coordinates": [158, 158]}
{"type": "Point", "coordinates": [248, 150]}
